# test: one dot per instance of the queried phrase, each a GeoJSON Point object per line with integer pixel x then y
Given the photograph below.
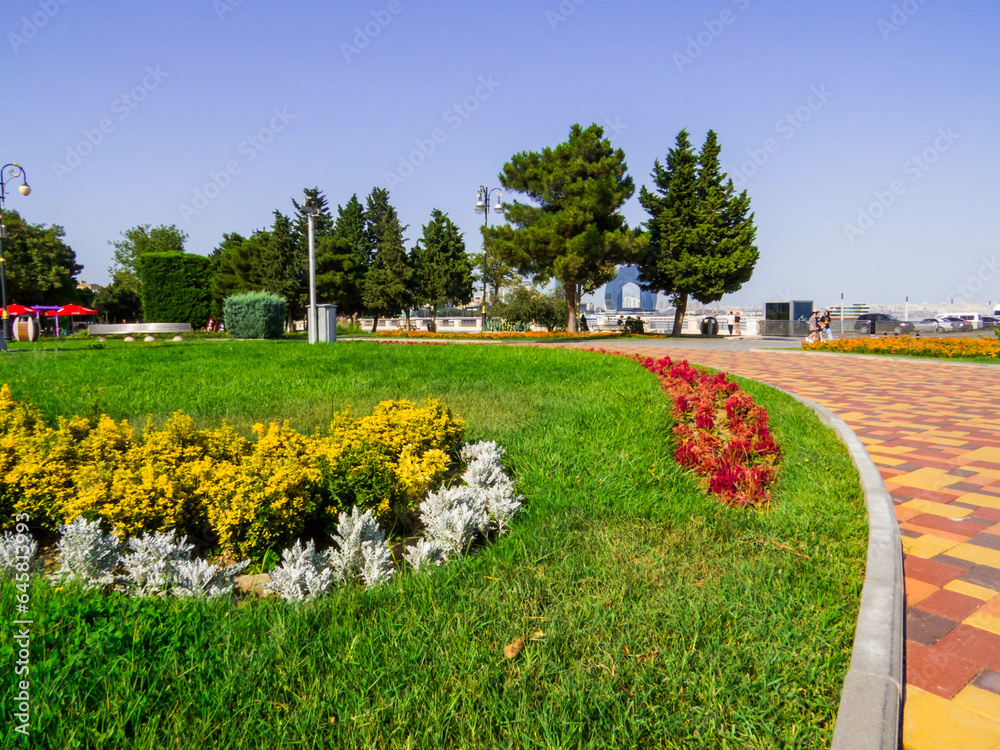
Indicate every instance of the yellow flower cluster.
{"type": "Point", "coordinates": [908, 346]}
{"type": "Point", "coordinates": [250, 494]}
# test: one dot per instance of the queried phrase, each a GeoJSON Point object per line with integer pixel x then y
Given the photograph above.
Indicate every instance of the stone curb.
{"type": "Point", "coordinates": [870, 712]}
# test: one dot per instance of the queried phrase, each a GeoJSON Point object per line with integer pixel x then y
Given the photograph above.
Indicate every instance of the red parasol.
{"type": "Point", "coordinates": [14, 310]}
{"type": "Point", "coordinates": [70, 310]}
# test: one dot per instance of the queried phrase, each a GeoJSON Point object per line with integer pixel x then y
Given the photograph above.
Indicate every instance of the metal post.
{"type": "Point", "coordinates": [841, 313]}
{"type": "Point", "coordinates": [482, 325]}
{"type": "Point", "coordinates": [312, 322]}
{"type": "Point", "coordinates": [13, 170]}
{"type": "Point", "coordinates": [483, 207]}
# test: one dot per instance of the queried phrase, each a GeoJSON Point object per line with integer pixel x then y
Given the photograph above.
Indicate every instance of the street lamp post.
{"type": "Point", "coordinates": [9, 171]}
{"type": "Point", "coordinates": [311, 213]}
{"type": "Point", "coordinates": [482, 208]}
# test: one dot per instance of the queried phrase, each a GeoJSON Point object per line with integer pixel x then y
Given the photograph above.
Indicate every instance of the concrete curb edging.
{"type": "Point", "coordinates": [871, 701]}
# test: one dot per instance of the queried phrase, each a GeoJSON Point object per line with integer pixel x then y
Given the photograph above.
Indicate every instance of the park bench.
{"type": "Point", "coordinates": [129, 329]}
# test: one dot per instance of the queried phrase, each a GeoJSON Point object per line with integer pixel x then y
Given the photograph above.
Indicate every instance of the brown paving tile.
{"type": "Point", "coordinates": [991, 513]}
{"type": "Point", "coordinates": [926, 628]}
{"type": "Point", "coordinates": [983, 575]}
{"type": "Point", "coordinates": [962, 472]}
{"type": "Point", "coordinates": [930, 571]}
{"type": "Point", "coordinates": [973, 645]}
{"type": "Point", "coordinates": [915, 493]}
{"type": "Point", "coordinates": [990, 541]}
{"type": "Point", "coordinates": [937, 671]}
{"type": "Point", "coordinates": [964, 487]}
{"type": "Point", "coordinates": [950, 604]}
{"type": "Point", "coordinates": [955, 562]}
{"type": "Point", "coordinates": [910, 533]}
{"type": "Point", "coordinates": [988, 680]}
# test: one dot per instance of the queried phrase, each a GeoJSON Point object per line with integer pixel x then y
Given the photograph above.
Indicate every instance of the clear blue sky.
{"type": "Point", "coordinates": [834, 99]}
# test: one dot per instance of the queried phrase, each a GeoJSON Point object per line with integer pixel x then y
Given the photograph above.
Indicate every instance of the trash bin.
{"type": "Point", "coordinates": [326, 324]}
{"type": "Point", "coordinates": [709, 326]}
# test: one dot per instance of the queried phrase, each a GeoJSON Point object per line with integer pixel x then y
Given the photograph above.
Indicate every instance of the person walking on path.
{"type": "Point", "coordinates": [729, 322]}
{"type": "Point", "coordinates": [736, 321]}
{"type": "Point", "coordinates": [814, 330]}
{"type": "Point", "coordinates": [826, 325]}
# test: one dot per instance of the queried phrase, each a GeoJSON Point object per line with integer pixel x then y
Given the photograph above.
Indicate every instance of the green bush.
{"type": "Point", "coordinates": [254, 315]}
{"type": "Point", "coordinates": [175, 288]}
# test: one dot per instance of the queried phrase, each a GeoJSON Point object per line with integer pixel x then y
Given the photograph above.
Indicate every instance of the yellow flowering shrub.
{"type": "Point", "coordinates": [252, 494]}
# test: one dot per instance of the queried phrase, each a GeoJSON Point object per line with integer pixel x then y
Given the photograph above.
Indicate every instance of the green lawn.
{"type": "Point", "coordinates": [665, 620]}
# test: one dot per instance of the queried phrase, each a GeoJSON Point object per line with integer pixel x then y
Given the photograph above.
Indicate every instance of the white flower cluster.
{"type": "Point", "coordinates": [12, 551]}
{"type": "Point", "coordinates": [158, 564]}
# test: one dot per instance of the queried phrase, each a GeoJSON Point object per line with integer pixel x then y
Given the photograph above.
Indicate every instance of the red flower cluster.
{"type": "Point", "coordinates": [721, 433]}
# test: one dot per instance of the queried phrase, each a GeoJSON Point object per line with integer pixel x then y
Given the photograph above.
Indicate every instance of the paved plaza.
{"type": "Point", "coordinates": [933, 430]}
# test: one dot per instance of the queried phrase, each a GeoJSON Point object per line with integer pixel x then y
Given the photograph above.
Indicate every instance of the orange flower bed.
{"type": "Point", "coordinates": [908, 346]}
{"type": "Point", "coordinates": [496, 335]}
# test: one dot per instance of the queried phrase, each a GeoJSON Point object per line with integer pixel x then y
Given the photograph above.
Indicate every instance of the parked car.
{"type": "Point", "coordinates": [937, 325]}
{"type": "Point", "coordinates": [990, 322]}
{"type": "Point", "coordinates": [959, 324]}
{"type": "Point", "coordinates": [880, 322]}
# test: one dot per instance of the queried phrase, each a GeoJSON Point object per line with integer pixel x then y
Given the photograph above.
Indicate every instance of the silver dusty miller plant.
{"type": "Point", "coordinates": [303, 573]}
{"type": "Point", "coordinates": [453, 517]}
{"type": "Point", "coordinates": [86, 554]}
{"type": "Point", "coordinates": [14, 549]}
{"type": "Point", "coordinates": [361, 551]}
{"type": "Point", "coordinates": [151, 566]}
{"type": "Point", "coordinates": [196, 579]}
{"type": "Point", "coordinates": [424, 555]}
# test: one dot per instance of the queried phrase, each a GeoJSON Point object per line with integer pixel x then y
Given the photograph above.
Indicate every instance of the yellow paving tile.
{"type": "Point", "coordinates": [972, 553]}
{"type": "Point", "coordinates": [933, 723]}
{"type": "Point", "coordinates": [984, 621]}
{"type": "Point", "coordinates": [926, 479]}
{"type": "Point", "coordinates": [976, 498]}
{"type": "Point", "coordinates": [938, 509]}
{"type": "Point", "coordinates": [979, 700]}
{"type": "Point", "coordinates": [970, 589]}
{"type": "Point", "coordinates": [886, 460]}
{"type": "Point", "coordinates": [927, 546]}
{"type": "Point", "coordinates": [869, 441]}
{"type": "Point", "coordinates": [984, 454]}
{"type": "Point", "coordinates": [938, 440]}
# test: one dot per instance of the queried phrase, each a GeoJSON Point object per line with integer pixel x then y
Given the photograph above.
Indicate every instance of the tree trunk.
{"type": "Point", "coordinates": [682, 303]}
{"type": "Point", "coordinates": [571, 308]}
{"type": "Point", "coordinates": [434, 318]}
{"type": "Point", "coordinates": [407, 312]}
{"type": "Point", "coordinates": [374, 322]}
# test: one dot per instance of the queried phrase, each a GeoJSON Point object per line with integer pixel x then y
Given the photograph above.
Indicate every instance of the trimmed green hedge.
{"type": "Point", "coordinates": [176, 288]}
{"type": "Point", "coordinates": [254, 315]}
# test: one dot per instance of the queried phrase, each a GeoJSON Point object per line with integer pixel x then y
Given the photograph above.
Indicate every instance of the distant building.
{"type": "Point", "coordinates": [618, 297]}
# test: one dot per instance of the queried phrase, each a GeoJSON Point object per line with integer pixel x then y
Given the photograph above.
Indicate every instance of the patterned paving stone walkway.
{"type": "Point", "coordinates": [933, 430]}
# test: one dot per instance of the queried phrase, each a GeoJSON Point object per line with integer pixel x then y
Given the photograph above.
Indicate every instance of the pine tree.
{"type": "Point", "coordinates": [441, 269]}
{"type": "Point", "coordinates": [701, 233]}
{"type": "Point", "coordinates": [386, 289]}
{"type": "Point", "coordinates": [575, 233]}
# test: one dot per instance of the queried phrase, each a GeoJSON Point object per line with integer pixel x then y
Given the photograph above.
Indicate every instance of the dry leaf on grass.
{"type": "Point", "coordinates": [516, 646]}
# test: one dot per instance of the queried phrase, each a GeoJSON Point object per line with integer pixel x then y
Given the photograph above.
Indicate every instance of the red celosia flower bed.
{"type": "Point", "coordinates": [721, 433]}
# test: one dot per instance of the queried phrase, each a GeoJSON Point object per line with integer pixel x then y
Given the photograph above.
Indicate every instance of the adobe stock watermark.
{"type": "Point", "coordinates": [563, 11]}
{"type": "Point", "coordinates": [967, 291]}
{"type": "Point", "coordinates": [900, 16]}
{"type": "Point", "coordinates": [714, 28]}
{"type": "Point", "coordinates": [454, 116]}
{"type": "Point", "coordinates": [787, 126]}
{"type": "Point", "coordinates": [22, 635]}
{"type": "Point", "coordinates": [122, 106]}
{"type": "Point", "coordinates": [363, 35]}
{"type": "Point", "coordinates": [249, 148]}
{"type": "Point", "coordinates": [915, 167]}
{"type": "Point", "coordinates": [223, 8]}
{"type": "Point", "coordinates": [614, 127]}
{"type": "Point", "coordinates": [31, 25]}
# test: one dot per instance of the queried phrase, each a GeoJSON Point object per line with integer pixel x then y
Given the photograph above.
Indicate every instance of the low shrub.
{"type": "Point", "coordinates": [254, 315]}
{"type": "Point", "coordinates": [246, 495]}
{"type": "Point", "coordinates": [909, 346]}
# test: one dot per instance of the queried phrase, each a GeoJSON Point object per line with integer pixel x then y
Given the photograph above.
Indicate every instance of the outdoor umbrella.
{"type": "Point", "coordinates": [70, 310]}
{"type": "Point", "coordinates": [14, 310]}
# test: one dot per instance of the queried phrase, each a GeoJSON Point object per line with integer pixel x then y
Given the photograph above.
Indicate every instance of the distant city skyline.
{"type": "Point", "coordinates": [864, 132]}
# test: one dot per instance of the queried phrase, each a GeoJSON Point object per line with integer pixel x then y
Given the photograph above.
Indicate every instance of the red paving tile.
{"type": "Point", "coordinates": [940, 408]}
{"type": "Point", "coordinates": [950, 604]}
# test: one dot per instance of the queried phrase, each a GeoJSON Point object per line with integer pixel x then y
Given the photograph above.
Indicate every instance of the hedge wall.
{"type": "Point", "coordinates": [176, 288]}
